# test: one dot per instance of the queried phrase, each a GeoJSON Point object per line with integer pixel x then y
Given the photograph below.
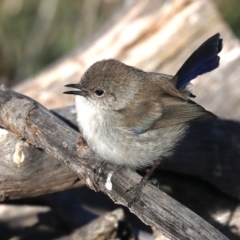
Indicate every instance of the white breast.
{"type": "Point", "coordinates": [93, 124]}
{"type": "Point", "coordinates": [88, 117]}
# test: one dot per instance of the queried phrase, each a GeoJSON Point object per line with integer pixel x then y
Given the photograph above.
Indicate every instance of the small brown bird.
{"type": "Point", "coordinates": [135, 118]}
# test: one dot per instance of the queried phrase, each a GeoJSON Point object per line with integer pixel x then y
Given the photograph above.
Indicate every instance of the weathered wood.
{"type": "Point", "coordinates": [27, 171]}
{"type": "Point", "coordinates": [31, 121]}
{"type": "Point", "coordinates": [218, 209]}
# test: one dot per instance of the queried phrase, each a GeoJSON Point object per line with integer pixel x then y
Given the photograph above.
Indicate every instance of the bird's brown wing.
{"type": "Point", "coordinates": [178, 111]}
{"type": "Point", "coordinates": [165, 106]}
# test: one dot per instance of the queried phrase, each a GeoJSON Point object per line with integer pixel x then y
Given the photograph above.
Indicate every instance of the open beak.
{"type": "Point", "coordinates": [79, 92]}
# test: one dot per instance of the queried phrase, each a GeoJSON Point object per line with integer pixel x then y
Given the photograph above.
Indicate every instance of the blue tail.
{"type": "Point", "coordinates": [202, 60]}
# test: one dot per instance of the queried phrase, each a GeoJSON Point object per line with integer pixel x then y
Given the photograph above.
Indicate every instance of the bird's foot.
{"type": "Point", "coordinates": [137, 189]}
{"type": "Point", "coordinates": [99, 169]}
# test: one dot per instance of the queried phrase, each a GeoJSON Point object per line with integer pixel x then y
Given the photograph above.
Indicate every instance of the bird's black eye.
{"type": "Point", "coordinates": [99, 92]}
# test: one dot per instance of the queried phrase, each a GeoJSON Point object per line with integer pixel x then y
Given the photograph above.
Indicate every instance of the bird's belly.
{"type": "Point", "coordinates": [97, 129]}
{"type": "Point", "coordinates": [101, 137]}
{"type": "Point", "coordinates": [120, 145]}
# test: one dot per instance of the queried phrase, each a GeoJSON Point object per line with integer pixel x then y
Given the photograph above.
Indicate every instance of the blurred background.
{"type": "Point", "coordinates": [46, 44]}
{"type": "Point", "coordinates": [35, 33]}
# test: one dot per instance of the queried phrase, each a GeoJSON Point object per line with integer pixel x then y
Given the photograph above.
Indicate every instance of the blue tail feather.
{"type": "Point", "coordinates": [202, 60]}
{"type": "Point", "coordinates": [210, 65]}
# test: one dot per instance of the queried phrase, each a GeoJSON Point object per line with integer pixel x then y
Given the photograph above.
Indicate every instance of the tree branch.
{"type": "Point", "coordinates": [29, 120]}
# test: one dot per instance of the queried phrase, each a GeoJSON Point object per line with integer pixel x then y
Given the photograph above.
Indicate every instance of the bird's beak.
{"type": "Point", "coordinates": [80, 91]}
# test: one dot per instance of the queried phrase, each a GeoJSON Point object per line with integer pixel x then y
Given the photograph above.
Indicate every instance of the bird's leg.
{"type": "Point", "coordinates": [136, 189]}
{"type": "Point", "coordinates": [99, 169]}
